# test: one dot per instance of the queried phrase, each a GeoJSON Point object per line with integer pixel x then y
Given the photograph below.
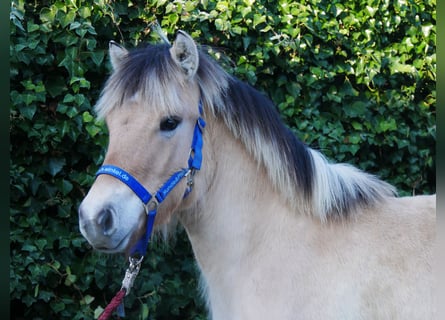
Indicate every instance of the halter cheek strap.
{"type": "Point", "coordinates": [151, 202]}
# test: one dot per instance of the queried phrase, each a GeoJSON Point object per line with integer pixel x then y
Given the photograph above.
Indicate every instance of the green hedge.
{"type": "Point", "coordinates": [355, 79]}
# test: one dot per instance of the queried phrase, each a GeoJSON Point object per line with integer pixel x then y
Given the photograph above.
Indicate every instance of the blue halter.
{"type": "Point", "coordinates": [151, 202]}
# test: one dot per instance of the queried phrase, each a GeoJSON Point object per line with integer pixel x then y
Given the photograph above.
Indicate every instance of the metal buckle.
{"type": "Point", "coordinates": [131, 273]}
{"type": "Point", "coordinates": [190, 175]}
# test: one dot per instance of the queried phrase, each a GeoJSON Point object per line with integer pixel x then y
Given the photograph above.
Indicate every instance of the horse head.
{"type": "Point", "coordinates": [150, 106]}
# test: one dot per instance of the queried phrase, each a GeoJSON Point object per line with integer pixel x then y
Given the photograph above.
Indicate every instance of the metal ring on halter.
{"type": "Point", "coordinates": [151, 206]}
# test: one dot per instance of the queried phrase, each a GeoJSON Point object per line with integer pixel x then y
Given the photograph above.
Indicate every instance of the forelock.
{"type": "Point", "coordinates": [147, 74]}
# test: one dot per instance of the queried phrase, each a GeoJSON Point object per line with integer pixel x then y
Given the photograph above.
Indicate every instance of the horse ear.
{"type": "Point", "coordinates": [185, 53]}
{"type": "Point", "coordinates": [117, 54]}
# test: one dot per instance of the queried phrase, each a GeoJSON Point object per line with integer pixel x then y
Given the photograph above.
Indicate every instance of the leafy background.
{"type": "Point", "coordinates": [355, 79]}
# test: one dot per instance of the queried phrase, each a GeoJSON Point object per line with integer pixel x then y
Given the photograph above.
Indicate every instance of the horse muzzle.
{"type": "Point", "coordinates": [110, 223]}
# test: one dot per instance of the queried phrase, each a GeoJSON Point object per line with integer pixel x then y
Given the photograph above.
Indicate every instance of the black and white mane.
{"type": "Point", "coordinates": [303, 176]}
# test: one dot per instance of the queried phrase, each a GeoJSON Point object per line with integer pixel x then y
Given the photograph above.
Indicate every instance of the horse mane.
{"type": "Point", "coordinates": [305, 178]}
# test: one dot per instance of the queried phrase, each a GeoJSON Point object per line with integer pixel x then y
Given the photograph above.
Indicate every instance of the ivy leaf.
{"type": "Point", "coordinates": [87, 117]}
{"type": "Point", "coordinates": [64, 186]}
{"type": "Point", "coordinates": [48, 14]}
{"type": "Point", "coordinates": [67, 18]}
{"type": "Point", "coordinates": [55, 85]}
{"type": "Point", "coordinates": [87, 299]}
{"type": "Point", "coordinates": [71, 63]}
{"type": "Point", "coordinates": [98, 57]}
{"type": "Point", "coordinates": [387, 125]}
{"type": "Point", "coordinates": [356, 109]}
{"type": "Point", "coordinates": [29, 110]}
{"type": "Point", "coordinates": [55, 165]}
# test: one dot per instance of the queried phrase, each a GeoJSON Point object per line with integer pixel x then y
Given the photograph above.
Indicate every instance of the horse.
{"type": "Point", "coordinates": [278, 230]}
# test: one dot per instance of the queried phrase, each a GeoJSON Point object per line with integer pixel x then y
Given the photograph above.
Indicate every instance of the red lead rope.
{"type": "Point", "coordinates": [114, 303]}
{"type": "Point", "coordinates": [127, 283]}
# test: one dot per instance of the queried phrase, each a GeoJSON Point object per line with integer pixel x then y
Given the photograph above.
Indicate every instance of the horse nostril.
{"type": "Point", "coordinates": [106, 221]}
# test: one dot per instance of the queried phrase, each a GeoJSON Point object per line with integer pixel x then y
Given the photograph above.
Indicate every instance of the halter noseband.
{"type": "Point", "coordinates": [151, 202]}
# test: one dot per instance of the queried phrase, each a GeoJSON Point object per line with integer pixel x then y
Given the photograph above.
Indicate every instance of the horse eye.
{"type": "Point", "coordinates": [169, 123]}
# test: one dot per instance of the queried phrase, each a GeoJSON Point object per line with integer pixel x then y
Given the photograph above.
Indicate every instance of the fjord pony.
{"type": "Point", "coordinates": [278, 231]}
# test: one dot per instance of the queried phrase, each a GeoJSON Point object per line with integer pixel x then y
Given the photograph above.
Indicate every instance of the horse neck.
{"type": "Point", "coordinates": [237, 209]}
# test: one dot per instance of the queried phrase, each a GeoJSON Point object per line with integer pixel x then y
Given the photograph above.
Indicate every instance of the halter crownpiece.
{"type": "Point", "coordinates": [151, 202]}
